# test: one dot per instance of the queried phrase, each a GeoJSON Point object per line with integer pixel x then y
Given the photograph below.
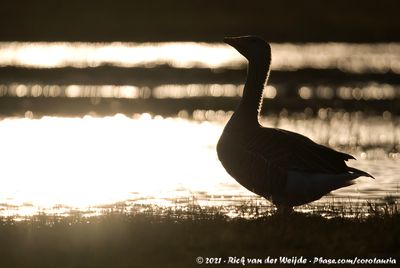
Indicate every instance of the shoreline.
{"type": "Point", "coordinates": [175, 240]}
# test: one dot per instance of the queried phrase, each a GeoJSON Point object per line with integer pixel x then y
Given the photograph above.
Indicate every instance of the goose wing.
{"type": "Point", "coordinates": [295, 152]}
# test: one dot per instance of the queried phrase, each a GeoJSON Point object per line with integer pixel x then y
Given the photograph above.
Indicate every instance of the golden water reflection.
{"type": "Point", "coordinates": [89, 161]}
{"type": "Point", "coordinates": [355, 58]}
{"type": "Point", "coordinates": [57, 164]}
{"type": "Point", "coordinates": [370, 91]}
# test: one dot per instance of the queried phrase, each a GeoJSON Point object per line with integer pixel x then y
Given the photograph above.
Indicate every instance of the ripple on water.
{"type": "Point", "coordinates": [56, 165]}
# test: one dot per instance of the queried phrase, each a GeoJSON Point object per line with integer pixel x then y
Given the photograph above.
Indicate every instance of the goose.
{"type": "Point", "coordinates": [284, 167]}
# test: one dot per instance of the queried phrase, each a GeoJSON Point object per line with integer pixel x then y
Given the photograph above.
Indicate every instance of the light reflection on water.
{"type": "Point", "coordinates": [371, 91]}
{"type": "Point", "coordinates": [55, 164]}
{"type": "Point", "coordinates": [356, 58]}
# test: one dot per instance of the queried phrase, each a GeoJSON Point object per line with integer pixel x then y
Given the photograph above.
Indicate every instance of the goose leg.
{"type": "Point", "coordinates": [284, 209]}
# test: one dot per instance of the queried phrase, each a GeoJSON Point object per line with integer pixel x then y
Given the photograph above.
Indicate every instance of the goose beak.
{"type": "Point", "coordinates": [233, 41]}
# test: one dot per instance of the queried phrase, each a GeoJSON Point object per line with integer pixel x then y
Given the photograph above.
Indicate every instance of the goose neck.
{"type": "Point", "coordinates": [251, 102]}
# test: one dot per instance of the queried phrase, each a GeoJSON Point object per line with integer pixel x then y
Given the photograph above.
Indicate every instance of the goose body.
{"type": "Point", "coordinates": [286, 168]}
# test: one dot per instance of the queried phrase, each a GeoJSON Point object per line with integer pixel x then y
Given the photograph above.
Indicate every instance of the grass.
{"type": "Point", "coordinates": [148, 237]}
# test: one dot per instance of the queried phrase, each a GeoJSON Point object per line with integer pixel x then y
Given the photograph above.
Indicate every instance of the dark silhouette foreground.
{"type": "Point", "coordinates": [287, 168]}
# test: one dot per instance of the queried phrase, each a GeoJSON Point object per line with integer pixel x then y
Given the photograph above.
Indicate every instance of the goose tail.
{"type": "Point", "coordinates": [302, 188]}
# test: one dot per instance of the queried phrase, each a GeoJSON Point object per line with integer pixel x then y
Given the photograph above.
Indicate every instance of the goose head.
{"type": "Point", "coordinates": [253, 48]}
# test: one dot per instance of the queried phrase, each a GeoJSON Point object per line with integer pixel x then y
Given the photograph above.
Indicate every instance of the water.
{"type": "Point", "coordinates": [88, 162]}
{"type": "Point", "coordinates": [356, 58]}
{"type": "Point", "coordinates": [66, 145]}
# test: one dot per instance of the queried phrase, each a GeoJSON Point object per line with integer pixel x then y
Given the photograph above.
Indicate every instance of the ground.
{"type": "Point", "coordinates": [176, 239]}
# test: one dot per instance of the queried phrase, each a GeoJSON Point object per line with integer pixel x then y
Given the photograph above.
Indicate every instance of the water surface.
{"type": "Point", "coordinates": [55, 164]}
{"type": "Point", "coordinates": [357, 58]}
{"type": "Point", "coordinates": [87, 125]}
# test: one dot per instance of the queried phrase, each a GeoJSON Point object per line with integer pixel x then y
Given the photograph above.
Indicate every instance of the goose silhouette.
{"type": "Point", "coordinates": [284, 167]}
